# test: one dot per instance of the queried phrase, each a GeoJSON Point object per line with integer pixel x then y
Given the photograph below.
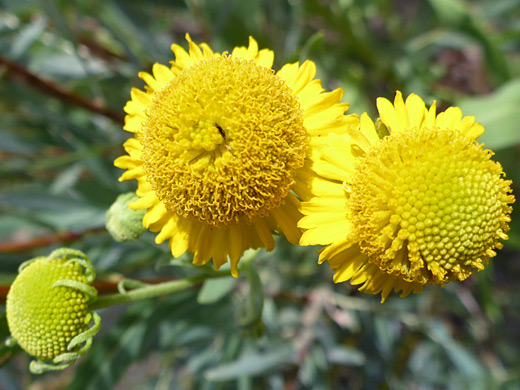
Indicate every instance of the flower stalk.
{"type": "Point", "coordinates": [146, 291]}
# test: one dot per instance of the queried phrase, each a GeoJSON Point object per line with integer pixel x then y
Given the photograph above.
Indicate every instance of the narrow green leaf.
{"type": "Point", "coordinates": [215, 289]}
{"type": "Point", "coordinates": [252, 364]}
{"type": "Point", "coordinates": [498, 113]}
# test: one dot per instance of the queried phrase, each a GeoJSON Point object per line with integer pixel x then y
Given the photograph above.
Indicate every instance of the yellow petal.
{"type": "Point", "coordinates": [330, 229]}
{"type": "Point", "coordinates": [475, 131]}
{"type": "Point", "coordinates": [203, 247]}
{"type": "Point", "coordinates": [347, 263]}
{"type": "Point", "coordinates": [236, 250]}
{"type": "Point", "coordinates": [167, 231]}
{"type": "Point", "coordinates": [309, 93]}
{"type": "Point", "coordinates": [449, 119]}
{"type": "Point", "coordinates": [152, 83]}
{"type": "Point", "coordinates": [206, 50]}
{"type": "Point", "coordinates": [162, 74]}
{"type": "Point", "coordinates": [304, 75]}
{"type": "Point", "coordinates": [195, 52]}
{"type": "Point", "coordinates": [133, 148]}
{"type": "Point", "coordinates": [287, 217]}
{"type": "Point", "coordinates": [144, 202]}
{"type": "Point", "coordinates": [429, 119]}
{"type": "Point", "coordinates": [400, 110]}
{"type": "Point", "coordinates": [133, 123]}
{"type": "Point", "coordinates": [180, 238]}
{"type": "Point", "coordinates": [416, 111]}
{"type": "Point", "coordinates": [368, 129]}
{"type": "Point", "coordinates": [327, 188]}
{"type": "Point", "coordinates": [127, 162]}
{"type": "Point", "coordinates": [265, 234]}
{"type": "Point", "coordinates": [265, 58]}
{"type": "Point", "coordinates": [133, 173]}
{"type": "Point", "coordinates": [220, 245]}
{"type": "Point", "coordinates": [322, 124]}
{"type": "Point", "coordinates": [252, 49]}
{"type": "Point", "coordinates": [182, 59]}
{"type": "Point", "coordinates": [388, 114]}
{"type": "Point", "coordinates": [322, 101]}
{"type": "Point", "coordinates": [321, 204]}
{"type": "Point", "coordinates": [288, 71]}
{"type": "Point", "coordinates": [154, 214]}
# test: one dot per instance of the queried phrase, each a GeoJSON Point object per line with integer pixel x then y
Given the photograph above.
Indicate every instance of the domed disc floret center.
{"type": "Point", "coordinates": [429, 205]}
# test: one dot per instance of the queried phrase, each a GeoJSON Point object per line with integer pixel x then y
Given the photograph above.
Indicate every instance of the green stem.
{"type": "Point", "coordinates": [155, 290]}
{"type": "Point", "coordinates": [151, 291]}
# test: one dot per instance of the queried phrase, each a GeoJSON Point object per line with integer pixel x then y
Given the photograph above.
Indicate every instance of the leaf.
{"type": "Point", "coordinates": [12, 142]}
{"type": "Point", "coordinates": [249, 311]}
{"type": "Point", "coordinates": [27, 36]}
{"type": "Point", "coordinates": [465, 361]}
{"type": "Point", "coordinates": [498, 113]}
{"type": "Point", "coordinates": [345, 356]}
{"type": "Point", "coordinates": [67, 65]}
{"type": "Point", "coordinates": [215, 289]}
{"type": "Point", "coordinates": [60, 212]}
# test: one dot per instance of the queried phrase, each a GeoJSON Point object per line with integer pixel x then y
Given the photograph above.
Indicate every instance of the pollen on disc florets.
{"type": "Point", "coordinates": [222, 141]}
{"type": "Point", "coordinates": [44, 319]}
{"type": "Point", "coordinates": [429, 205]}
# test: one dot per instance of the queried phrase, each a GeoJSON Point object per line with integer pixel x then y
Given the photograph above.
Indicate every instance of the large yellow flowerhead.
{"type": "Point", "coordinates": [424, 204]}
{"type": "Point", "coordinates": [219, 147]}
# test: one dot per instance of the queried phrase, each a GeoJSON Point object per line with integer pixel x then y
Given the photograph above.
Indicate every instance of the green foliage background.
{"type": "Point", "coordinates": [286, 326]}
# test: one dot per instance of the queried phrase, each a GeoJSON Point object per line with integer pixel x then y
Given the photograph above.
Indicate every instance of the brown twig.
{"type": "Point", "coordinates": [99, 51]}
{"type": "Point", "coordinates": [13, 247]}
{"type": "Point", "coordinates": [57, 91]}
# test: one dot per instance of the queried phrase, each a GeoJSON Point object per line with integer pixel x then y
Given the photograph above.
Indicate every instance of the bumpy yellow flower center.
{"type": "Point", "coordinates": [222, 141]}
{"type": "Point", "coordinates": [44, 319]}
{"type": "Point", "coordinates": [429, 205]}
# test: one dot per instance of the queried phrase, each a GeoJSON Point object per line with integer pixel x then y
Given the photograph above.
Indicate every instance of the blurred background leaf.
{"type": "Point", "coordinates": [66, 70]}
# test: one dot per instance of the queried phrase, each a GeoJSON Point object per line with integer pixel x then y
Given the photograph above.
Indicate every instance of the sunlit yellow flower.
{"type": "Point", "coordinates": [219, 147]}
{"type": "Point", "coordinates": [423, 205]}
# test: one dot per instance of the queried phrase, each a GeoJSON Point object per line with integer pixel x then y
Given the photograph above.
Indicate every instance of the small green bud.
{"type": "Point", "coordinates": [122, 222]}
{"type": "Point", "coordinates": [48, 308]}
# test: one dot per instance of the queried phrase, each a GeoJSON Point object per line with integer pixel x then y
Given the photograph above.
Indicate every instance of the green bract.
{"type": "Point", "coordinates": [122, 222]}
{"type": "Point", "coordinates": [48, 308]}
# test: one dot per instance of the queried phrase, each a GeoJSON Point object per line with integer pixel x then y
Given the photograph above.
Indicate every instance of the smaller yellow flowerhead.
{"type": "Point", "coordinates": [47, 306]}
{"type": "Point", "coordinates": [423, 205]}
{"type": "Point", "coordinates": [429, 205]}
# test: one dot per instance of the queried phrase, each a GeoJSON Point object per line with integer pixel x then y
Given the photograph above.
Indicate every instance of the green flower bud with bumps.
{"type": "Point", "coordinates": [122, 222]}
{"type": "Point", "coordinates": [48, 309]}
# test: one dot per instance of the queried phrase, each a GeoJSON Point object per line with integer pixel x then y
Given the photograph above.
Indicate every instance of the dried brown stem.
{"type": "Point", "coordinates": [50, 88]}
{"type": "Point", "coordinates": [13, 247]}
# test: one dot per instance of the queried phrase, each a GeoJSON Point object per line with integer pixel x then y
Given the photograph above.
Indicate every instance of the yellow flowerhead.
{"type": "Point", "coordinates": [219, 146]}
{"type": "Point", "coordinates": [423, 205]}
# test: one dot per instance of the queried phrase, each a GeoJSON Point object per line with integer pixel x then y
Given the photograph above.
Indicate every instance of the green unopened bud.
{"type": "Point", "coordinates": [48, 308]}
{"type": "Point", "coordinates": [122, 222]}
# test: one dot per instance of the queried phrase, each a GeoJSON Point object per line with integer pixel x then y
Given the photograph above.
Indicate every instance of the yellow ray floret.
{"type": "Point", "coordinates": [423, 205]}
{"type": "Point", "coordinates": [222, 146]}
